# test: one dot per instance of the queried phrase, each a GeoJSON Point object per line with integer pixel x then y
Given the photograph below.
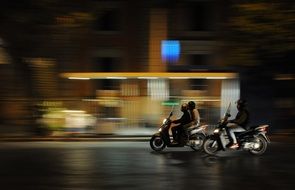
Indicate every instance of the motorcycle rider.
{"type": "Point", "coordinates": [185, 119]}
{"type": "Point", "coordinates": [239, 123]}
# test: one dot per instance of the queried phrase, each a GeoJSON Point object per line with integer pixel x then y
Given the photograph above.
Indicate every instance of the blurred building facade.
{"type": "Point", "coordinates": [114, 36]}
{"type": "Point", "coordinates": [127, 37]}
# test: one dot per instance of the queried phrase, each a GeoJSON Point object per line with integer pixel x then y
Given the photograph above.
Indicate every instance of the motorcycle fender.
{"type": "Point", "coordinates": [217, 139]}
{"type": "Point", "coordinates": [195, 131]}
{"type": "Point", "coordinates": [219, 142]}
{"type": "Point", "coordinates": [222, 141]}
{"type": "Point", "coordinates": [212, 137]}
{"type": "Point", "coordinates": [159, 134]}
{"type": "Point", "coordinates": [164, 136]}
{"type": "Point", "coordinates": [265, 137]}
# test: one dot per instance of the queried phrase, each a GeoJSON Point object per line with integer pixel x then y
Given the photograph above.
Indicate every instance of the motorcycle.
{"type": "Point", "coordinates": [253, 140]}
{"type": "Point", "coordinates": [193, 137]}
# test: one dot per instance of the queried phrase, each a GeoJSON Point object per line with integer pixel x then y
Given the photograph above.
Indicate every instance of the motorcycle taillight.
{"type": "Point", "coordinates": [263, 128]}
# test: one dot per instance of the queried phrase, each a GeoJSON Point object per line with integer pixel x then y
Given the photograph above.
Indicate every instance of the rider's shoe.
{"type": "Point", "coordinates": [234, 146]}
{"type": "Point", "coordinates": [174, 142]}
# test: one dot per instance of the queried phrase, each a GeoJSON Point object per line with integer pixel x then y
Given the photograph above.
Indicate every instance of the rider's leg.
{"type": "Point", "coordinates": [237, 129]}
{"type": "Point", "coordinates": [232, 134]}
{"type": "Point", "coordinates": [174, 133]}
{"type": "Point", "coordinates": [185, 132]}
{"type": "Point", "coordinates": [229, 133]}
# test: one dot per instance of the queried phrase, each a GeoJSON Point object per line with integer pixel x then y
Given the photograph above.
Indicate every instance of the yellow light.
{"type": "Point", "coordinates": [178, 77]}
{"type": "Point", "coordinates": [73, 111]}
{"type": "Point", "coordinates": [216, 77]}
{"type": "Point", "coordinates": [79, 78]}
{"type": "Point", "coordinates": [121, 78]}
{"type": "Point", "coordinates": [150, 75]}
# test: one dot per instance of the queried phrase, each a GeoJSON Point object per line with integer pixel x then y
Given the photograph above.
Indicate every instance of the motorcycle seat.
{"type": "Point", "coordinates": [240, 133]}
{"type": "Point", "coordinates": [192, 127]}
{"type": "Point", "coordinates": [250, 128]}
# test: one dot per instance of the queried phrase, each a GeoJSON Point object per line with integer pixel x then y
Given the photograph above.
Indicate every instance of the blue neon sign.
{"type": "Point", "coordinates": [170, 50]}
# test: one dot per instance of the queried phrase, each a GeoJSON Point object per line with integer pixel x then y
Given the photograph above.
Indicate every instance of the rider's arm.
{"type": "Point", "coordinates": [176, 121]}
{"type": "Point", "coordinates": [180, 120]}
{"type": "Point", "coordinates": [195, 118]}
{"type": "Point", "coordinates": [240, 118]}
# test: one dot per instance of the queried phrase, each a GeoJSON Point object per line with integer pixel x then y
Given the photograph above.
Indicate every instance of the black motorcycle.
{"type": "Point", "coordinates": [253, 140]}
{"type": "Point", "coordinates": [193, 137]}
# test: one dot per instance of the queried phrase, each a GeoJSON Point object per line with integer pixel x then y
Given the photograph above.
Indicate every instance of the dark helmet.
{"type": "Point", "coordinates": [191, 105]}
{"type": "Point", "coordinates": [184, 107]}
{"type": "Point", "coordinates": [241, 103]}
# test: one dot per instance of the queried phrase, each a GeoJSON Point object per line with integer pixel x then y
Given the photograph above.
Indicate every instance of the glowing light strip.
{"type": "Point", "coordinates": [73, 111]}
{"type": "Point", "coordinates": [78, 78]}
{"type": "Point", "coordinates": [120, 78]}
{"type": "Point", "coordinates": [179, 78]}
{"type": "Point", "coordinates": [150, 75]}
{"type": "Point", "coordinates": [216, 77]}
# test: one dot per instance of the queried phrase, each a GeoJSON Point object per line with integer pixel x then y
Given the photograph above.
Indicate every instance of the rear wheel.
{"type": "Point", "coordinates": [197, 141]}
{"type": "Point", "coordinates": [210, 146]}
{"type": "Point", "coordinates": [259, 146]}
{"type": "Point", "coordinates": [157, 143]}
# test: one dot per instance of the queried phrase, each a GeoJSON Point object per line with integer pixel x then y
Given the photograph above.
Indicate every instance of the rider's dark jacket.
{"type": "Point", "coordinates": [185, 118]}
{"type": "Point", "coordinates": [242, 118]}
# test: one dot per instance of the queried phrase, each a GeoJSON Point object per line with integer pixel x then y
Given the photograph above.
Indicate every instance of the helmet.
{"type": "Point", "coordinates": [191, 105]}
{"type": "Point", "coordinates": [241, 102]}
{"type": "Point", "coordinates": [184, 107]}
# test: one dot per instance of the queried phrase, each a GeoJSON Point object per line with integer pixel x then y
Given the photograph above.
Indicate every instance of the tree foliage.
{"type": "Point", "coordinates": [260, 31]}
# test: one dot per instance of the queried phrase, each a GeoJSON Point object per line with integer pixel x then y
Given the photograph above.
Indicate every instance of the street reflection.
{"type": "Point", "coordinates": [132, 165]}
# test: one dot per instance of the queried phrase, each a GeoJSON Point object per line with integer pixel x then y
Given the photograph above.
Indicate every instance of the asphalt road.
{"type": "Point", "coordinates": [133, 165]}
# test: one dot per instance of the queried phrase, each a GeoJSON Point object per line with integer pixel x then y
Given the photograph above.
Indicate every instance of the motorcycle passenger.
{"type": "Point", "coordinates": [185, 119]}
{"type": "Point", "coordinates": [194, 116]}
{"type": "Point", "coordinates": [194, 113]}
{"type": "Point", "coordinates": [239, 123]}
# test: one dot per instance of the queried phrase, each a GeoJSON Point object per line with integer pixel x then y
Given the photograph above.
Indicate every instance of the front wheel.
{"type": "Point", "coordinates": [197, 141]}
{"type": "Point", "coordinates": [259, 146]}
{"type": "Point", "coordinates": [157, 143]}
{"type": "Point", "coordinates": [210, 146]}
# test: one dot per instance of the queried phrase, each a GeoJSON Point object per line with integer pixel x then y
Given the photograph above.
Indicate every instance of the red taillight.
{"type": "Point", "coordinates": [263, 128]}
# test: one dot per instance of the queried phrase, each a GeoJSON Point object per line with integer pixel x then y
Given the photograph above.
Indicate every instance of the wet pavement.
{"type": "Point", "coordinates": [133, 165]}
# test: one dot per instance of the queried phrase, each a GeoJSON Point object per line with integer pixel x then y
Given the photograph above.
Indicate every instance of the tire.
{"type": "Point", "coordinates": [262, 148]}
{"type": "Point", "coordinates": [157, 143]}
{"type": "Point", "coordinates": [208, 146]}
{"type": "Point", "coordinates": [201, 138]}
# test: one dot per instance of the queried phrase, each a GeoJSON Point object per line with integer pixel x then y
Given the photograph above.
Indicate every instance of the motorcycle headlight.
{"type": "Point", "coordinates": [216, 131]}
{"type": "Point", "coordinates": [164, 121]}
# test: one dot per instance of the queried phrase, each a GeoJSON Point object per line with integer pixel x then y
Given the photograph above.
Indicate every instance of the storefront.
{"type": "Point", "coordinates": [140, 100]}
